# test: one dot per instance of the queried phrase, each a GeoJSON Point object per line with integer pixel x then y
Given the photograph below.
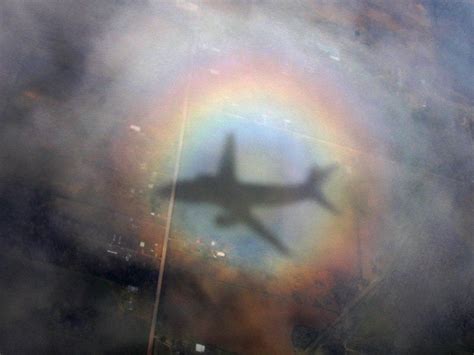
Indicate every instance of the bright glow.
{"type": "Point", "coordinates": [200, 348]}
{"type": "Point", "coordinates": [135, 128]}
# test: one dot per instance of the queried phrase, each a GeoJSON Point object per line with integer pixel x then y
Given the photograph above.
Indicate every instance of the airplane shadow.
{"type": "Point", "coordinates": [237, 198]}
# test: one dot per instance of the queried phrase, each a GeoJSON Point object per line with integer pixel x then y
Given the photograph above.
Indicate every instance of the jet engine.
{"type": "Point", "coordinates": [225, 220]}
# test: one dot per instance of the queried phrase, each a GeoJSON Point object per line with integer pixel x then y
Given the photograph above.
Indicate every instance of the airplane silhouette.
{"type": "Point", "coordinates": [237, 198]}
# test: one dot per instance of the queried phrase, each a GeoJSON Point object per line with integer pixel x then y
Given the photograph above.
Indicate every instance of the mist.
{"type": "Point", "coordinates": [93, 95]}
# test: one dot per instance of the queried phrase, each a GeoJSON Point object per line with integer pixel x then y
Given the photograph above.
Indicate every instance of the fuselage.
{"type": "Point", "coordinates": [235, 195]}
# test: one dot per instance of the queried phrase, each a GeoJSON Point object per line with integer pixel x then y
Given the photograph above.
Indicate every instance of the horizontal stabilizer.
{"type": "Point", "coordinates": [313, 186]}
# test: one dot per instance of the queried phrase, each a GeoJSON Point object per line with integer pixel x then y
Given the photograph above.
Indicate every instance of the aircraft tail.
{"type": "Point", "coordinates": [318, 176]}
{"type": "Point", "coordinates": [315, 179]}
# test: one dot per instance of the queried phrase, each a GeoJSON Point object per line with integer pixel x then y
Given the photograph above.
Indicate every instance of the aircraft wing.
{"type": "Point", "coordinates": [227, 163]}
{"type": "Point", "coordinates": [262, 231]}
